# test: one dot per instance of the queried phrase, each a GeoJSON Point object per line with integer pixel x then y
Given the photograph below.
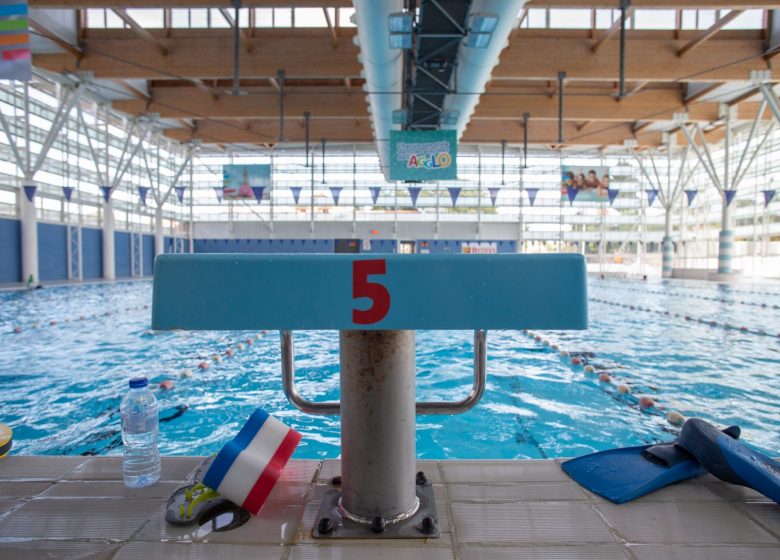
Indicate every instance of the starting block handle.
{"type": "Point", "coordinates": [434, 407]}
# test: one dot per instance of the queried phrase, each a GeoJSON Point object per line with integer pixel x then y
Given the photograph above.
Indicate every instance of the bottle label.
{"type": "Point", "coordinates": [139, 423]}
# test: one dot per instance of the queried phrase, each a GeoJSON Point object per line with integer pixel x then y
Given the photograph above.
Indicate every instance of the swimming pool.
{"type": "Point", "coordinates": [60, 384]}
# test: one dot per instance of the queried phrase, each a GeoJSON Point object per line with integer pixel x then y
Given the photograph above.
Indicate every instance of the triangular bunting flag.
{"type": "Point", "coordinates": [220, 192]}
{"type": "Point", "coordinates": [29, 191]}
{"type": "Point", "coordinates": [296, 191]}
{"type": "Point", "coordinates": [414, 192]}
{"type": "Point", "coordinates": [258, 192]}
{"type": "Point", "coordinates": [142, 192]}
{"type": "Point", "coordinates": [106, 193]}
{"type": "Point", "coordinates": [180, 193]}
{"type": "Point", "coordinates": [768, 196]}
{"type": "Point", "coordinates": [691, 194]}
{"type": "Point", "coordinates": [336, 193]}
{"type": "Point", "coordinates": [375, 193]}
{"type": "Point", "coordinates": [532, 192]}
{"type": "Point", "coordinates": [454, 194]}
{"type": "Point", "coordinates": [68, 192]}
{"type": "Point", "coordinates": [572, 193]}
{"type": "Point", "coordinates": [651, 194]}
{"type": "Point", "coordinates": [729, 196]}
{"type": "Point", "coordinates": [493, 191]}
{"type": "Point", "coordinates": [612, 194]}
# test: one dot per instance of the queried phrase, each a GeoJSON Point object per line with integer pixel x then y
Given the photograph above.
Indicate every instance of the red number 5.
{"type": "Point", "coordinates": [377, 293]}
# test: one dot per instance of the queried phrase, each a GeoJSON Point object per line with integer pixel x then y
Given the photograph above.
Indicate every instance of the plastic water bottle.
{"type": "Point", "coordinates": [140, 430]}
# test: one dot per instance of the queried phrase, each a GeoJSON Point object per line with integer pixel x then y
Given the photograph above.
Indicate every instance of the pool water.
{"type": "Point", "coordinates": [61, 384]}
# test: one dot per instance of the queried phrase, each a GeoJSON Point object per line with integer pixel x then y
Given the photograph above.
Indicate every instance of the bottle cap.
{"type": "Point", "coordinates": [138, 382]}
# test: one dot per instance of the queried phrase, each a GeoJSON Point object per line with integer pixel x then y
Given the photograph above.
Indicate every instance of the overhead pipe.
{"type": "Point", "coordinates": [475, 65]}
{"type": "Point", "coordinates": [382, 69]}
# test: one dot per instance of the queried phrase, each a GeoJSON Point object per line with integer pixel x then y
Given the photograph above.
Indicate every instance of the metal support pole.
{"type": "Point", "coordinates": [236, 48]}
{"type": "Point", "coordinates": [525, 139]}
{"type": "Point", "coordinates": [281, 74]}
{"type": "Point", "coordinates": [378, 425]}
{"type": "Point", "coordinates": [624, 5]}
{"type": "Point", "coordinates": [306, 116]}
{"type": "Point", "coordinates": [561, 77]}
{"type": "Point", "coordinates": [322, 144]}
{"type": "Point", "coordinates": [503, 155]}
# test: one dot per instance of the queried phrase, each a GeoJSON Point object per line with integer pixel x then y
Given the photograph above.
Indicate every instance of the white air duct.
{"type": "Point", "coordinates": [382, 69]}
{"type": "Point", "coordinates": [475, 65]}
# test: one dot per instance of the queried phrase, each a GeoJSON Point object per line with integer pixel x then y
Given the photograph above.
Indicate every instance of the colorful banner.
{"type": "Point", "coordinates": [142, 192]}
{"type": "Point", "coordinates": [238, 180]}
{"type": "Point", "coordinates": [29, 191]}
{"type": "Point", "coordinates": [106, 193]}
{"type": "Point", "coordinates": [296, 192]}
{"type": "Point", "coordinates": [180, 193]}
{"type": "Point", "coordinates": [651, 196]}
{"type": "Point", "coordinates": [336, 193]}
{"type": "Point", "coordinates": [454, 194]}
{"type": "Point", "coordinates": [690, 195]}
{"type": "Point", "coordinates": [532, 192]}
{"type": "Point", "coordinates": [68, 192]}
{"type": "Point", "coordinates": [768, 196]}
{"type": "Point", "coordinates": [375, 193]}
{"type": "Point", "coordinates": [585, 184]}
{"type": "Point", "coordinates": [479, 248]}
{"type": "Point", "coordinates": [258, 192]}
{"type": "Point", "coordinates": [414, 192]}
{"type": "Point", "coordinates": [423, 155]}
{"type": "Point", "coordinates": [15, 58]}
{"type": "Point", "coordinates": [729, 196]}
{"type": "Point", "coordinates": [493, 191]}
{"type": "Point", "coordinates": [612, 194]}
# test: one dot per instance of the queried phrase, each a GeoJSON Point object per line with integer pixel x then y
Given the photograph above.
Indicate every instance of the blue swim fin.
{"type": "Point", "coordinates": [622, 475]}
{"type": "Point", "coordinates": [729, 459]}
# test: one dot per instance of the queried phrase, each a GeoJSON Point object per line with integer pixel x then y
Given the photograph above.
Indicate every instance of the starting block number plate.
{"type": "Point", "coordinates": [345, 292]}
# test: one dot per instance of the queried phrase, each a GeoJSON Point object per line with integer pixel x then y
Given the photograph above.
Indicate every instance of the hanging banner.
{"type": "Point", "coordinates": [68, 192]}
{"type": "Point", "coordinates": [375, 193]}
{"type": "Point", "coordinates": [258, 192]}
{"type": "Point", "coordinates": [142, 192]}
{"type": "Point", "coordinates": [691, 194]}
{"type": "Point", "coordinates": [15, 59]}
{"type": "Point", "coordinates": [238, 180]}
{"type": "Point", "coordinates": [454, 194]}
{"type": "Point", "coordinates": [106, 193]}
{"type": "Point", "coordinates": [180, 193]}
{"type": "Point", "coordinates": [493, 191]}
{"type": "Point", "coordinates": [296, 192]}
{"type": "Point", "coordinates": [768, 196]}
{"type": "Point", "coordinates": [612, 194]}
{"type": "Point", "coordinates": [651, 195]}
{"type": "Point", "coordinates": [532, 192]}
{"type": "Point", "coordinates": [336, 193]}
{"type": "Point", "coordinates": [423, 155]}
{"type": "Point", "coordinates": [29, 191]}
{"type": "Point", "coordinates": [729, 196]}
{"type": "Point", "coordinates": [219, 191]}
{"type": "Point", "coordinates": [414, 192]}
{"type": "Point", "coordinates": [479, 248]}
{"type": "Point", "coordinates": [588, 184]}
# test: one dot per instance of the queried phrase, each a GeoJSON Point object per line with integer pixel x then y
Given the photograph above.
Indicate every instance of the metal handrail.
{"type": "Point", "coordinates": [433, 407]}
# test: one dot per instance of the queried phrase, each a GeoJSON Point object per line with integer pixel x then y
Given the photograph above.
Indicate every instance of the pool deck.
{"type": "Point", "coordinates": [78, 507]}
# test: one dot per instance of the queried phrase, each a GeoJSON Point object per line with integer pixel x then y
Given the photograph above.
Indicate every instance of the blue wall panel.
{"type": "Point", "coordinates": [379, 246]}
{"type": "Point", "coordinates": [92, 252]}
{"type": "Point", "coordinates": [52, 252]}
{"type": "Point", "coordinates": [439, 246]}
{"type": "Point", "coordinates": [148, 249]}
{"type": "Point", "coordinates": [264, 246]}
{"type": "Point", "coordinates": [10, 251]}
{"type": "Point", "coordinates": [122, 254]}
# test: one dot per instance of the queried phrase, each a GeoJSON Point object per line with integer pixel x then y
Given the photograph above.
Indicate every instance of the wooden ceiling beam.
{"type": "Point", "coordinates": [45, 32]}
{"type": "Point", "coordinates": [611, 31]}
{"type": "Point", "coordinates": [333, 32]}
{"type": "Point", "coordinates": [140, 31]}
{"type": "Point", "coordinates": [242, 34]}
{"type": "Point", "coordinates": [710, 32]}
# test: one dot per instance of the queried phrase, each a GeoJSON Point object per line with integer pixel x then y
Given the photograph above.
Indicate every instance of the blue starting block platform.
{"type": "Point", "coordinates": [361, 292]}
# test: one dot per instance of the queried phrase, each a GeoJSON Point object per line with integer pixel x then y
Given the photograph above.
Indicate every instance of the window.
{"type": "Point", "coordinates": [199, 17]}
{"type": "Point", "coordinates": [264, 17]}
{"type": "Point", "coordinates": [345, 17]}
{"type": "Point", "coordinates": [569, 19]}
{"type": "Point", "coordinates": [180, 18]}
{"type": "Point", "coordinates": [537, 18]}
{"type": "Point", "coordinates": [605, 18]}
{"type": "Point", "coordinates": [750, 19]}
{"type": "Point", "coordinates": [654, 19]}
{"type": "Point", "coordinates": [310, 17]}
{"type": "Point", "coordinates": [96, 18]}
{"type": "Point", "coordinates": [689, 19]}
{"type": "Point", "coordinates": [148, 19]}
{"type": "Point", "coordinates": [282, 17]}
{"type": "Point", "coordinates": [217, 19]}
{"type": "Point", "coordinates": [113, 21]}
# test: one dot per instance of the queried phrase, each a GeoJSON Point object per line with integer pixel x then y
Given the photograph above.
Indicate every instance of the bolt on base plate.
{"type": "Point", "coordinates": [424, 524]}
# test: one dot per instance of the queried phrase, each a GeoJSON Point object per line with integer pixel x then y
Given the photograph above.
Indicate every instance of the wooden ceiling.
{"type": "Point", "coordinates": [187, 75]}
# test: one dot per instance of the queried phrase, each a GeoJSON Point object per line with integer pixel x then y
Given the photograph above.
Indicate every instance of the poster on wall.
{"type": "Point", "coordinates": [585, 183]}
{"type": "Point", "coordinates": [479, 248]}
{"type": "Point", "coordinates": [417, 155]}
{"type": "Point", "coordinates": [238, 181]}
{"type": "Point", "coordinates": [15, 58]}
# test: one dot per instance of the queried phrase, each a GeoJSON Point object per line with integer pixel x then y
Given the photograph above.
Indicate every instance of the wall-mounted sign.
{"type": "Point", "coordinates": [423, 155]}
{"type": "Point", "coordinates": [15, 58]}
{"type": "Point", "coordinates": [584, 184]}
{"type": "Point", "coordinates": [238, 181]}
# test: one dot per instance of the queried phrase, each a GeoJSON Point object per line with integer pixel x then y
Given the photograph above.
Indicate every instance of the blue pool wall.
{"type": "Point", "coordinates": [53, 250]}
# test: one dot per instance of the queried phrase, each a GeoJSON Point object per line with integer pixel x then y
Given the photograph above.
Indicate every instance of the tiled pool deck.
{"type": "Point", "coordinates": [77, 507]}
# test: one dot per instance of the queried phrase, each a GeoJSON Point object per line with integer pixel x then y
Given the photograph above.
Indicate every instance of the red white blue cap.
{"type": "Point", "coordinates": [247, 468]}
